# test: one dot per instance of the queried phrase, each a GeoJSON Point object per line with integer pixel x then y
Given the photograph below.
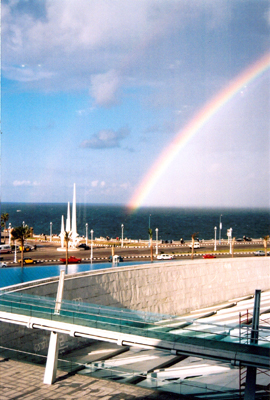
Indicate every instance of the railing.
{"type": "Point", "coordinates": [126, 321]}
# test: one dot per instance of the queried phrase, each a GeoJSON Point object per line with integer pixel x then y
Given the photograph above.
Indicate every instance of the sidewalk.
{"type": "Point", "coordinates": [25, 381]}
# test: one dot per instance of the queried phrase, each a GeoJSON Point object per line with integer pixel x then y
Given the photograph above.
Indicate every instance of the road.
{"type": "Point", "coordinates": [47, 253]}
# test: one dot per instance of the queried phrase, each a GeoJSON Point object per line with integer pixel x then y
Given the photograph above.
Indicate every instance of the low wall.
{"type": "Point", "coordinates": [175, 287]}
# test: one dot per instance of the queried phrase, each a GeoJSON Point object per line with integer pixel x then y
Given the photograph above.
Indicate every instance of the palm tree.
{"type": "Point", "coordinates": [4, 219]}
{"type": "Point", "coordinates": [265, 243]}
{"type": "Point", "coordinates": [150, 233]}
{"type": "Point", "coordinates": [233, 242]}
{"type": "Point", "coordinates": [193, 241]}
{"type": "Point", "coordinates": [20, 233]}
{"type": "Point", "coordinates": [67, 237]}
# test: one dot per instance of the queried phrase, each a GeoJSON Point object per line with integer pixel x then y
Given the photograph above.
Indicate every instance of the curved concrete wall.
{"type": "Point", "coordinates": [174, 287]}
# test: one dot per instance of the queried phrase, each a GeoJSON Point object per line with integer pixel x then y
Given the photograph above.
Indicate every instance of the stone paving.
{"type": "Point", "coordinates": [20, 380]}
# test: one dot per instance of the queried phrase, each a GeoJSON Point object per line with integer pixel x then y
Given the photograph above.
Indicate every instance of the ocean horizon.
{"type": "Point", "coordinates": [172, 223]}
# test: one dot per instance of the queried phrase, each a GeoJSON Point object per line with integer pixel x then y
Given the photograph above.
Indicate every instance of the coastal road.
{"type": "Point", "coordinates": [47, 253]}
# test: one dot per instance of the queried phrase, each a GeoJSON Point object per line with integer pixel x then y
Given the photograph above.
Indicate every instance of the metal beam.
{"type": "Point", "coordinates": [233, 353]}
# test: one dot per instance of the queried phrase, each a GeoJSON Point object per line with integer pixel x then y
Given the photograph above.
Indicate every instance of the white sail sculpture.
{"type": "Point", "coordinates": [70, 227]}
{"type": "Point", "coordinates": [74, 234]}
{"type": "Point", "coordinates": [62, 233]}
{"type": "Point", "coordinates": [68, 218]}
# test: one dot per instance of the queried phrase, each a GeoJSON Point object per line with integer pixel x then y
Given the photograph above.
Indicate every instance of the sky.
{"type": "Point", "coordinates": [93, 92]}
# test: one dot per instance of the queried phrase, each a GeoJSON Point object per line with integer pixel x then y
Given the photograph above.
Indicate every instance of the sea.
{"type": "Point", "coordinates": [172, 223]}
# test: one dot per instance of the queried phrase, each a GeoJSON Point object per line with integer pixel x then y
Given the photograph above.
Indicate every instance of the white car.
{"type": "Point", "coordinates": [196, 245]}
{"type": "Point", "coordinates": [3, 265]}
{"type": "Point", "coordinates": [259, 253]}
{"type": "Point", "coordinates": [165, 257]}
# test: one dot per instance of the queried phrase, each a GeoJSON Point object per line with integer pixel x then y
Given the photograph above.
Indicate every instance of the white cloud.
{"type": "Point", "coordinates": [25, 183]}
{"type": "Point", "coordinates": [94, 183]}
{"type": "Point", "coordinates": [104, 88]}
{"type": "Point", "coordinates": [96, 44]}
{"type": "Point", "coordinates": [106, 138]}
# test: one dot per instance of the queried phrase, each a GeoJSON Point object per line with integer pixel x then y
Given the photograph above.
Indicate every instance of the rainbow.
{"type": "Point", "coordinates": [194, 125]}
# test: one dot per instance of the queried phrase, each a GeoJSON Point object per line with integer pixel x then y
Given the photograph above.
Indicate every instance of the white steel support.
{"type": "Point", "coordinates": [52, 357]}
{"type": "Point", "coordinates": [250, 388]}
{"type": "Point", "coordinates": [74, 218]}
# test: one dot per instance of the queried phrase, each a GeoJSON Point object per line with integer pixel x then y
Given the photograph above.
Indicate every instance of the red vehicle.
{"type": "Point", "coordinates": [71, 260]}
{"type": "Point", "coordinates": [209, 256]}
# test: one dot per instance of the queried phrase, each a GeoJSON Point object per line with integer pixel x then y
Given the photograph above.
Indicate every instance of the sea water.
{"type": "Point", "coordinates": [172, 223]}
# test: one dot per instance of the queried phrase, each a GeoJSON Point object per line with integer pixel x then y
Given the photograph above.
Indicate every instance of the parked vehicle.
{"type": "Point", "coordinates": [83, 246]}
{"type": "Point", "coordinates": [29, 261]}
{"type": "Point", "coordinates": [259, 253]}
{"type": "Point", "coordinates": [3, 265]}
{"type": "Point", "coordinates": [71, 260]}
{"type": "Point", "coordinates": [5, 248]}
{"type": "Point", "coordinates": [13, 247]}
{"type": "Point", "coordinates": [165, 257]}
{"type": "Point", "coordinates": [116, 258]}
{"type": "Point", "coordinates": [209, 256]}
{"type": "Point", "coordinates": [25, 248]}
{"type": "Point", "coordinates": [196, 245]}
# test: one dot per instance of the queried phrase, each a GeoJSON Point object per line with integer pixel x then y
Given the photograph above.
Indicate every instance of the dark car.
{"type": "Point", "coordinates": [84, 246]}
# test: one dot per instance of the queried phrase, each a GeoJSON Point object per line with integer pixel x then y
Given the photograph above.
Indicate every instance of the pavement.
{"type": "Point", "coordinates": [20, 380]}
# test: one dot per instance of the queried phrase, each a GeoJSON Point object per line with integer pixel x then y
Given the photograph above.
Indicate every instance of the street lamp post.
{"type": "Point", "coordinates": [122, 226]}
{"type": "Point", "coordinates": [215, 245]}
{"type": "Point", "coordinates": [156, 241]}
{"type": "Point", "coordinates": [50, 231]}
{"type": "Point", "coordinates": [230, 240]}
{"type": "Point", "coordinates": [149, 227]}
{"type": "Point", "coordinates": [9, 234]}
{"type": "Point", "coordinates": [15, 252]}
{"type": "Point", "coordinates": [91, 257]}
{"type": "Point", "coordinates": [220, 228]}
{"type": "Point", "coordinates": [86, 233]}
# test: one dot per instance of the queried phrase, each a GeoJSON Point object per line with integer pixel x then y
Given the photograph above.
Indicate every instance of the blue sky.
{"type": "Point", "coordinates": [94, 90]}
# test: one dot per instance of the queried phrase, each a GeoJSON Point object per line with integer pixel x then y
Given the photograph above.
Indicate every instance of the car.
{"type": "Point", "coordinates": [29, 261]}
{"type": "Point", "coordinates": [71, 260]}
{"type": "Point", "coordinates": [247, 239]}
{"type": "Point", "coordinates": [209, 256]}
{"type": "Point", "coordinates": [116, 258]}
{"type": "Point", "coordinates": [17, 248]}
{"type": "Point", "coordinates": [3, 265]}
{"type": "Point", "coordinates": [83, 246]}
{"type": "Point", "coordinates": [259, 253]}
{"type": "Point", "coordinates": [165, 257]}
{"type": "Point", "coordinates": [239, 239]}
{"type": "Point", "coordinates": [25, 248]}
{"type": "Point", "coordinates": [196, 245]}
